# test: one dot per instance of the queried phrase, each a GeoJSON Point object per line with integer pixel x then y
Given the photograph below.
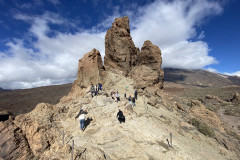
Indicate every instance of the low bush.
{"type": "Point", "coordinates": [202, 127]}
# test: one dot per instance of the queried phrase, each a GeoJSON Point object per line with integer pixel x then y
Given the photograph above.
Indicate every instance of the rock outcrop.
{"type": "Point", "coordinates": [121, 54]}
{"type": "Point", "coordinates": [90, 72]}
{"type": "Point", "coordinates": [148, 71]}
{"type": "Point", "coordinates": [13, 143]}
{"type": "Point", "coordinates": [120, 51]}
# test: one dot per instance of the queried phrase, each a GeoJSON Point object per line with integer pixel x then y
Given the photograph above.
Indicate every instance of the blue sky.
{"type": "Point", "coordinates": [42, 40]}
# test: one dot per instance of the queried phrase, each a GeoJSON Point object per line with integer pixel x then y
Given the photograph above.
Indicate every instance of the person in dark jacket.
{"type": "Point", "coordinates": [120, 116]}
{"type": "Point", "coordinates": [133, 101]}
{"type": "Point", "coordinates": [135, 94]}
{"type": "Point", "coordinates": [130, 99]}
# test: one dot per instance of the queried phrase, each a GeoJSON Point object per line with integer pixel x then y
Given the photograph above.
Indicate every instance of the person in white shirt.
{"type": "Point", "coordinates": [81, 117]}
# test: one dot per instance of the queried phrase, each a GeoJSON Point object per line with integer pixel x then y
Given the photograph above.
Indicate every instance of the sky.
{"type": "Point", "coordinates": [41, 41]}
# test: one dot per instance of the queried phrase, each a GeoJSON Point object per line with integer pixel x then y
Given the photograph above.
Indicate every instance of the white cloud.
{"type": "Point", "coordinates": [211, 70]}
{"type": "Point", "coordinates": [233, 74]}
{"type": "Point", "coordinates": [170, 25]}
{"type": "Point", "coordinates": [54, 59]}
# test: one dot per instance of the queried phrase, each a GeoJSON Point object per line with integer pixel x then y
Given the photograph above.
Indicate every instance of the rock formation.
{"type": "Point", "coordinates": [120, 51]}
{"type": "Point", "coordinates": [121, 54]}
{"type": "Point", "coordinates": [90, 72]}
{"type": "Point", "coordinates": [13, 143]}
{"type": "Point", "coordinates": [148, 71]}
{"type": "Point", "coordinates": [38, 134]}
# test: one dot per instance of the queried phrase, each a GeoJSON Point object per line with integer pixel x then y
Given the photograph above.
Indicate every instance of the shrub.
{"type": "Point", "coordinates": [202, 127]}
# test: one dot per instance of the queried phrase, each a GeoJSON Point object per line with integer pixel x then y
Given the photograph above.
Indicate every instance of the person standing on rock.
{"type": "Point", "coordinates": [130, 99]}
{"type": "Point", "coordinates": [81, 117]}
{"type": "Point", "coordinates": [133, 101]}
{"type": "Point", "coordinates": [120, 116]}
{"type": "Point", "coordinates": [135, 94]}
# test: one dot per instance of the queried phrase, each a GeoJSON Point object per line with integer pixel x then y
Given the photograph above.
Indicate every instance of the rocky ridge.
{"type": "Point", "coordinates": [144, 135]}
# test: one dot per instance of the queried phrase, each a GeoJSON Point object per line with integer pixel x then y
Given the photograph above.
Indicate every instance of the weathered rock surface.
{"type": "Point", "coordinates": [148, 71]}
{"type": "Point", "coordinates": [90, 72]}
{"type": "Point", "coordinates": [37, 125]}
{"type": "Point", "coordinates": [13, 144]}
{"type": "Point", "coordinates": [121, 54]}
{"type": "Point", "coordinates": [120, 51]}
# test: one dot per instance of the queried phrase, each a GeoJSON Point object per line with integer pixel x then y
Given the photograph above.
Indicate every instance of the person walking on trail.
{"type": "Point", "coordinates": [92, 91]}
{"type": "Point", "coordinates": [81, 117]}
{"type": "Point", "coordinates": [130, 99]}
{"type": "Point", "coordinates": [135, 94]}
{"type": "Point", "coordinates": [133, 101]}
{"type": "Point", "coordinates": [120, 116]}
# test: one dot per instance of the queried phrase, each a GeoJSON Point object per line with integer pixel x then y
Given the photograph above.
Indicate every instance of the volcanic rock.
{"type": "Point", "coordinates": [13, 144]}
{"type": "Point", "coordinates": [90, 72]}
{"type": "Point", "coordinates": [120, 51]}
{"type": "Point", "coordinates": [148, 71]}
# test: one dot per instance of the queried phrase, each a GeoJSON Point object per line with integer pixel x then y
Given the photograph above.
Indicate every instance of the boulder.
{"type": "Point", "coordinates": [120, 51]}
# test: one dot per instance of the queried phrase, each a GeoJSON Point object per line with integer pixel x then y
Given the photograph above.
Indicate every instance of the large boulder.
{"type": "Point", "coordinates": [120, 51]}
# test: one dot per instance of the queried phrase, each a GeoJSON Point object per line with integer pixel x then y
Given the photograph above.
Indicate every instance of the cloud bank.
{"type": "Point", "coordinates": [51, 56]}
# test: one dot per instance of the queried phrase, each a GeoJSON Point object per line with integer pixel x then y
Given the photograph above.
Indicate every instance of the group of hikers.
{"type": "Point", "coordinates": [95, 89]}
{"type": "Point", "coordinates": [115, 96]}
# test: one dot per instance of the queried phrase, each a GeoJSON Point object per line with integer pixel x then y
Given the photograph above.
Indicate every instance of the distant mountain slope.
{"type": "Point", "coordinates": [25, 100]}
{"type": "Point", "coordinates": [199, 78]}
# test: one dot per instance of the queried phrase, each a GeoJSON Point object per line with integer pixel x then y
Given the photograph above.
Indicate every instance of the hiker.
{"type": "Point", "coordinates": [129, 99]}
{"type": "Point", "coordinates": [133, 101]}
{"type": "Point", "coordinates": [120, 116]}
{"type": "Point", "coordinates": [135, 94]}
{"type": "Point", "coordinates": [117, 97]}
{"type": "Point", "coordinates": [125, 95]}
{"type": "Point", "coordinates": [92, 91]}
{"type": "Point", "coordinates": [81, 117]}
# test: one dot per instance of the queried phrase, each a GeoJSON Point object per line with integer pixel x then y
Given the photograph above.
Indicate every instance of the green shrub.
{"type": "Point", "coordinates": [202, 127]}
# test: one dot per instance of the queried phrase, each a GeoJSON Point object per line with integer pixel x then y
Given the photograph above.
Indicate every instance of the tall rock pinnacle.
{"type": "Point", "coordinates": [120, 51]}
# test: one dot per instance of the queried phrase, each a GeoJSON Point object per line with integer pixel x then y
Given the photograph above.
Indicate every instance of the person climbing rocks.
{"type": "Point", "coordinates": [130, 99]}
{"type": "Point", "coordinates": [133, 102]}
{"type": "Point", "coordinates": [92, 91]}
{"type": "Point", "coordinates": [135, 94]}
{"type": "Point", "coordinates": [100, 86]}
{"type": "Point", "coordinates": [81, 117]}
{"type": "Point", "coordinates": [120, 116]}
